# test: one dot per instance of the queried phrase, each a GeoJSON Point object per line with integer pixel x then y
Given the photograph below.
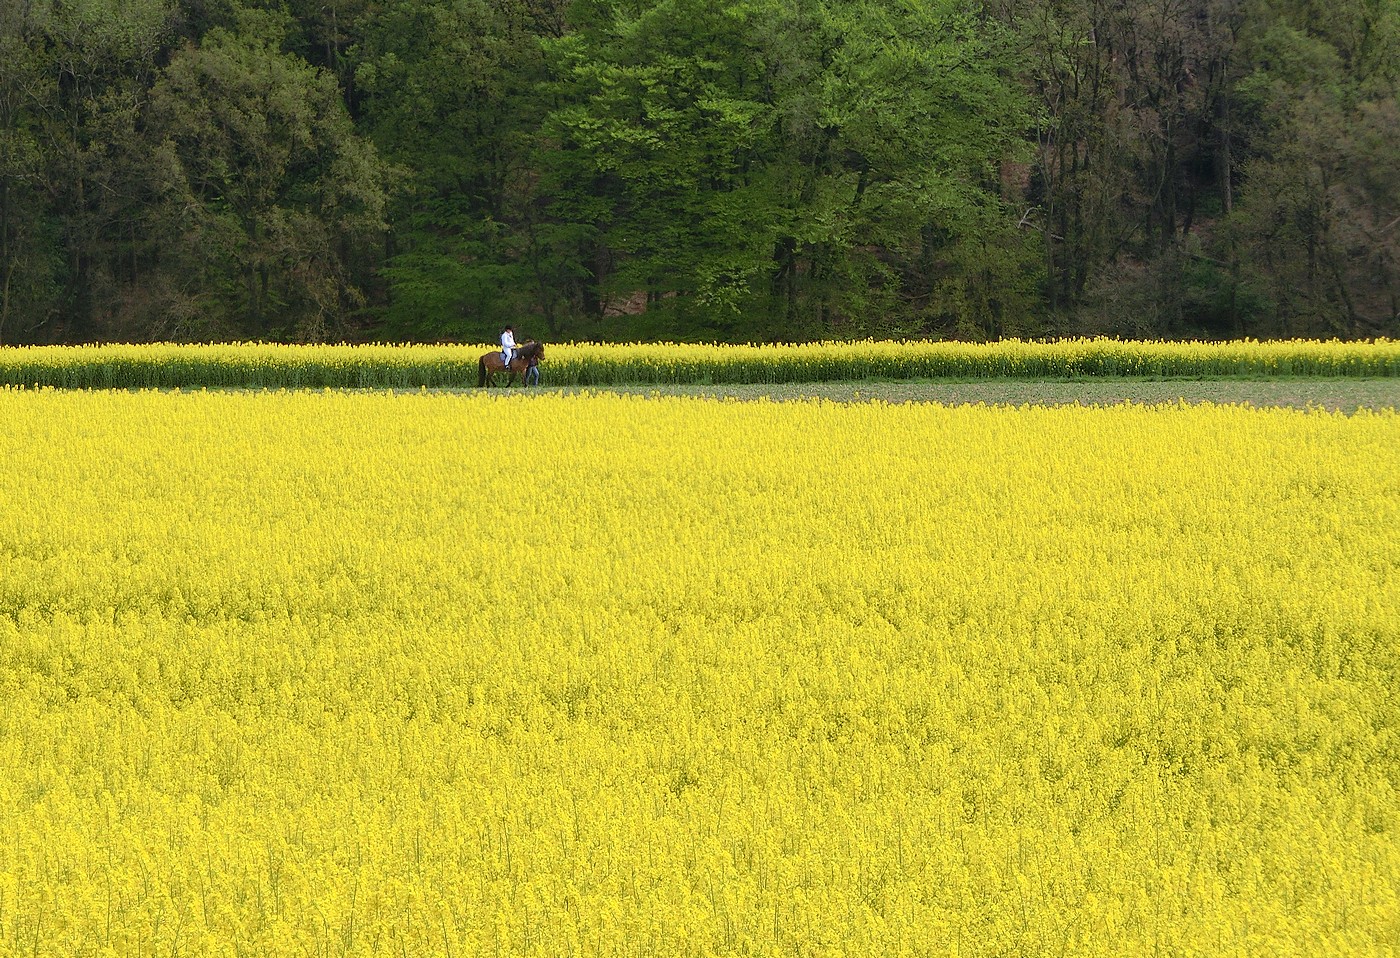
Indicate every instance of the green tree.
{"type": "Point", "coordinates": [266, 193]}
{"type": "Point", "coordinates": [96, 61]}
{"type": "Point", "coordinates": [30, 257]}
{"type": "Point", "coordinates": [774, 170]}
{"type": "Point", "coordinates": [661, 147]}
{"type": "Point", "coordinates": [448, 91]}
{"type": "Point", "coordinates": [1320, 203]}
{"type": "Point", "coordinates": [921, 115]}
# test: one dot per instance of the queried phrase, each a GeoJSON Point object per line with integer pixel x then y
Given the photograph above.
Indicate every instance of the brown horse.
{"type": "Point", "coordinates": [525, 357]}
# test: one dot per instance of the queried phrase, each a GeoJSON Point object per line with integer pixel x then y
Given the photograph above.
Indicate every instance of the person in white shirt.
{"type": "Point", "coordinates": [507, 345]}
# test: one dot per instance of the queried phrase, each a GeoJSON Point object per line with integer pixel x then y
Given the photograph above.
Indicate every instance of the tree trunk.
{"type": "Point", "coordinates": [1224, 161]}
{"type": "Point", "coordinates": [5, 298]}
{"type": "Point", "coordinates": [6, 257]}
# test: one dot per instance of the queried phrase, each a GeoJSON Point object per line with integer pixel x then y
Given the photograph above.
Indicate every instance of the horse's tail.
{"type": "Point", "coordinates": [481, 371]}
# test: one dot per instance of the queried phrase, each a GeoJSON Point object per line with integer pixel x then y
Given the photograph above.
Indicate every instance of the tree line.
{"type": "Point", "coordinates": [698, 170]}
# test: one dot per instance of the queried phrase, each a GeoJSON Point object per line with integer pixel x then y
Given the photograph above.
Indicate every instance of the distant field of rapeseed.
{"type": "Point", "coordinates": [592, 364]}
{"type": "Point", "coordinates": [459, 675]}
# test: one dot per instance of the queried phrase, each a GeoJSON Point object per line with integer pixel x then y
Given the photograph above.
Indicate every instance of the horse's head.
{"type": "Point", "coordinates": [532, 351]}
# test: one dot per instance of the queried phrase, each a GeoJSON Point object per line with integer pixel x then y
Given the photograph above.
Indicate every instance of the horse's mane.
{"type": "Point", "coordinates": [530, 350]}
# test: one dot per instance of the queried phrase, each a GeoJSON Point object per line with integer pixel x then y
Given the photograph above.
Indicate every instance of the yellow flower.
{"type": "Point", "coordinates": [318, 672]}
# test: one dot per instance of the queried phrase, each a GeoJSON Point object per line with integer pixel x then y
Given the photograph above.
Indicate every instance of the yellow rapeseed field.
{"type": "Point", "coordinates": [314, 674]}
{"type": "Point", "coordinates": [166, 365]}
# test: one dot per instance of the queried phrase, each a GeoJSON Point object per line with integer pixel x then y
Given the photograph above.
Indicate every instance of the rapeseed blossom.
{"type": "Point", "coordinates": [591, 364]}
{"type": "Point", "coordinates": [328, 673]}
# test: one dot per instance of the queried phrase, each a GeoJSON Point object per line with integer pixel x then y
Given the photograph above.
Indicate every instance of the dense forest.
{"type": "Point", "coordinates": [698, 170]}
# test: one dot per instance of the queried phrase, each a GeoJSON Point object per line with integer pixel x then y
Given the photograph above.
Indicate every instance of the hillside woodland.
{"type": "Point", "coordinates": [755, 170]}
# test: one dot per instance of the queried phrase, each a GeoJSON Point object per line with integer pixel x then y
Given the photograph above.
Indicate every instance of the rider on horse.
{"type": "Point", "coordinates": [513, 360]}
{"type": "Point", "coordinates": [507, 345]}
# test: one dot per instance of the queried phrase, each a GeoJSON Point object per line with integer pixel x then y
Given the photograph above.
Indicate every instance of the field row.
{"type": "Point", "coordinates": [437, 674]}
{"type": "Point", "coordinates": [267, 365]}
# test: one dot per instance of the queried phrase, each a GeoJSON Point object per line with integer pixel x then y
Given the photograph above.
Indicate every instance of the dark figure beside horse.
{"type": "Point", "coordinates": [526, 358]}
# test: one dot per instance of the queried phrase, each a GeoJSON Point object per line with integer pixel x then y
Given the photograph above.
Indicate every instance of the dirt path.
{"type": "Point", "coordinates": [1347, 395]}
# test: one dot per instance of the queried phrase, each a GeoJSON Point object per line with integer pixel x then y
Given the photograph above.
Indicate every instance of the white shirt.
{"type": "Point", "coordinates": [507, 340]}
